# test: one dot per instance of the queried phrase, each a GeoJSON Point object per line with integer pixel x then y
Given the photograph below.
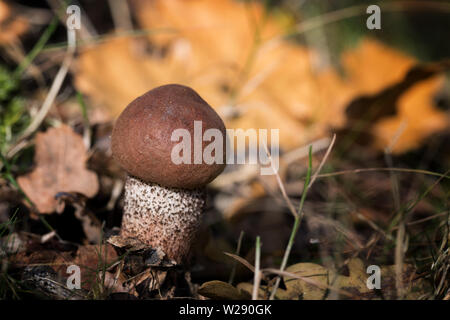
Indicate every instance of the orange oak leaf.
{"type": "Point", "coordinates": [417, 118]}
{"type": "Point", "coordinates": [373, 66]}
{"type": "Point", "coordinates": [371, 69]}
{"type": "Point", "coordinates": [60, 159]}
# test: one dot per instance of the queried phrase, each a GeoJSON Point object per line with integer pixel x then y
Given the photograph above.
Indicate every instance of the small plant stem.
{"type": "Point", "coordinates": [238, 250]}
{"type": "Point", "coordinates": [297, 221]}
{"type": "Point", "coordinates": [257, 275]}
{"type": "Point", "coordinates": [399, 258]}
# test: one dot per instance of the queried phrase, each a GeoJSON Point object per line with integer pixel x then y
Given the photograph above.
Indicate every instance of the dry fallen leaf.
{"type": "Point", "coordinates": [373, 66]}
{"type": "Point", "coordinates": [401, 92]}
{"type": "Point", "coordinates": [90, 258]}
{"type": "Point", "coordinates": [60, 159]}
{"type": "Point", "coordinates": [417, 118]}
{"type": "Point", "coordinates": [219, 290]}
{"type": "Point", "coordinates": [320, 279]}
{"type": "Point", "coordinates": [263, 293]}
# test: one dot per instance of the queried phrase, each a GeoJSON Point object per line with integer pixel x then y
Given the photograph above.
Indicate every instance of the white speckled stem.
{"type": "Point", "coordinates": [165, 218]}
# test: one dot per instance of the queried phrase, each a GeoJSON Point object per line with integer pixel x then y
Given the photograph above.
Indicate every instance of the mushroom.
{"type": "Point", "coordinates": [163, 201]}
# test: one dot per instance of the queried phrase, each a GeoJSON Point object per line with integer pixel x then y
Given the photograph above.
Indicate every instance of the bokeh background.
{"type": "Point", "coordinates": [311, 69]}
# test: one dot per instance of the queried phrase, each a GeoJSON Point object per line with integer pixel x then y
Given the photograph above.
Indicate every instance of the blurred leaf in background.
{"type": "Point", "coordinates": [11, 26]}
{"type": "Point", "coordinates": [235, 55]}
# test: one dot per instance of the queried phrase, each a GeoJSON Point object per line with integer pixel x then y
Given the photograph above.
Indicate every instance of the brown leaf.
{"type": "Point", "coordinates": [60, 167]}
{"type": "Point", "coordinates": [92, 259]}
{"type": "Point", "coordinates": [299, 288]}
{"type": "Point", "coordinates": [263, 293]}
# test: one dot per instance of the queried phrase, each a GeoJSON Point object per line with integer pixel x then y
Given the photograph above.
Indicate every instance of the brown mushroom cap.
{"type": "Point", "coordinates": [141, 139]}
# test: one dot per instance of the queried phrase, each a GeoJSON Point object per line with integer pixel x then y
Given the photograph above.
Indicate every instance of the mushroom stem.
{"type": "Point", "coordinates": [161, 217]}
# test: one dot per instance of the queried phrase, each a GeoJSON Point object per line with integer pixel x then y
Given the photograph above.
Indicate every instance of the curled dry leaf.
{"type": "Point", "coordinates": [60, 159]}
{"type": "Point", "coordinates": [116, 283]}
